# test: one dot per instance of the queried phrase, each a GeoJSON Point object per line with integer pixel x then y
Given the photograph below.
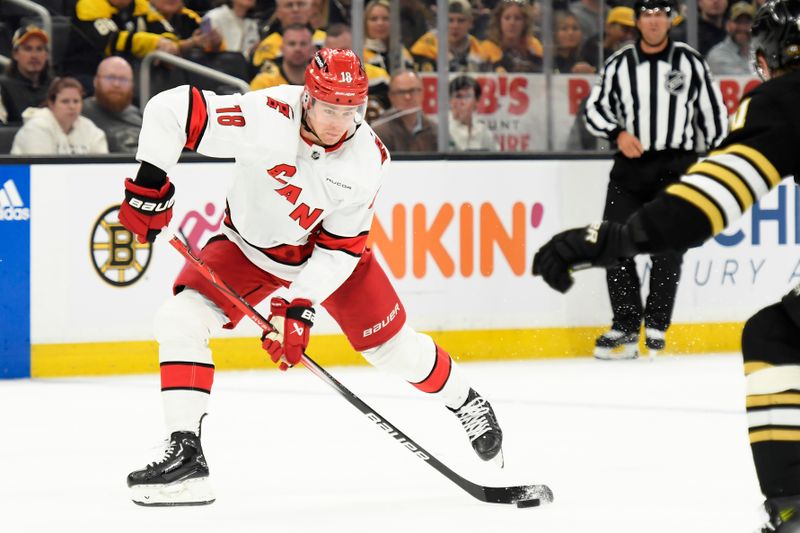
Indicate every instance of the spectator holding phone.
{"type": "Point", "coordinates": [192, 31]}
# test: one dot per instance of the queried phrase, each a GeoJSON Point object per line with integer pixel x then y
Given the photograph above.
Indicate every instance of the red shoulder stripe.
{"type": "Point", "coordinates": [381, 149]}
{"type": "Point", "coordinates": [349, 245]}
{"type": "Point", "coordinates": [197, 120]}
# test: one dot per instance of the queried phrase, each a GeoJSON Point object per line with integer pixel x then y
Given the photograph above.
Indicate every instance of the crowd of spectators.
{"type": "Point", "coordinates": [269, 42]}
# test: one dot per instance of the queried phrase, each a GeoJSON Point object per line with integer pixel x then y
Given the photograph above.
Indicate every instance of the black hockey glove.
{"type": "Point", "coordinates": [600, 244]}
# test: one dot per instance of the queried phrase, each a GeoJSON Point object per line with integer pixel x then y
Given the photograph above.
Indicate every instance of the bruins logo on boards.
{"type": "Point", "coordinates": [117, 256]}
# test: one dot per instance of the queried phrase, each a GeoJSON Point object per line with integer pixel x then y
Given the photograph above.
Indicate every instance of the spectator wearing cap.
{"type": "Point", "coordinates": [732, 55]}
{"type": "Point", "coordinates": [710, 24]}
{"type": "Point", "coordinates": [465, 52]}
{"type": "Point", "coordinates": [101, 28]}
{"type": "Point", "coordinates": [466, 133]}
{"type": "Point", "coordinates": [287, 12]}
{"type": "Point", "coordinates": [404, 128]}
{"type": "Point", "coordinates": [25, 82]}
{"type": "Point", "coordinates": [59, 128]}
{"type": "Point", "coordinates": [510, 43]}
{"type": "Point", "coordinates": [620, 29]}
{"type": "Point", "coordinates": [111, 107]}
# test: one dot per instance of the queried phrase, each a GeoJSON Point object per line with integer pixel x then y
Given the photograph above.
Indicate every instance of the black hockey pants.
{"type": "Point", "coordinates": [633, 183]}
{"type": "Point", "coordinates": [771, 339]}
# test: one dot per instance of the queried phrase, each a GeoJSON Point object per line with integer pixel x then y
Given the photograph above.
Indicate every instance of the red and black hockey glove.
{"type": "Point", "coordinates": [292, 323]}
{"type": "Point", "coordinates": [146, 211]}
{"type": "Point", "coordinates": [600, 244]}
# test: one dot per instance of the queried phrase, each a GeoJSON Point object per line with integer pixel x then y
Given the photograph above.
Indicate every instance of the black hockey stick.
{"type": "Point", "coordinates": [522, 495]}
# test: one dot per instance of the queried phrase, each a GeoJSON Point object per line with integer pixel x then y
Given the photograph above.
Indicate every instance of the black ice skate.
{"type": "Point", "coordinates": [180, 477]}
{"type": "Point", "coordinates": [480, 422]}
{"type": "Point", "coordinates": [784, 515]}
{"type": "Point", "coordinates": [654, 341]}
{"type": "Point", "coordinates": [616, 344]}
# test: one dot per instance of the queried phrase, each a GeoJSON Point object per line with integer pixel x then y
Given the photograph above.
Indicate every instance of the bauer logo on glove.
{"type": "Point", "coordinates": [146, 211]}
{"type": "Point", "coordinates": [287, 343]}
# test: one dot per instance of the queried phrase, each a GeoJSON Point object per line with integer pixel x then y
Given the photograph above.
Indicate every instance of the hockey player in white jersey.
{"type": "Point", "coordinates": [299, 210]}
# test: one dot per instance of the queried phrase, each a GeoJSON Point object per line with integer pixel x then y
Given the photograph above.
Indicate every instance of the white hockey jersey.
{"type": "Point", "coordinates": [296, 210]}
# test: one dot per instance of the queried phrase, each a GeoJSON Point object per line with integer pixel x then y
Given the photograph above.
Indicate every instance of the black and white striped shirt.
{"type": "Point", "coordinates": [660, 98]}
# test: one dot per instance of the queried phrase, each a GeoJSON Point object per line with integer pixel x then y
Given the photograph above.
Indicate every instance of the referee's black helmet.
{"type": "Point", "coordinates": [668, 6]}
{"type": "Point", "coordinates": [776, 34]}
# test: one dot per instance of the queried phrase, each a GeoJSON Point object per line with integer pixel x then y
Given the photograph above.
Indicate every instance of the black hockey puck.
{"type": "Point", "coordinates": [528, 503]}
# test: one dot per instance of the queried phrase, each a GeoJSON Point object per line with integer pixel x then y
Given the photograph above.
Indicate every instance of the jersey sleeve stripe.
{"type": "Point", "coordinates": [730, 179]}
{"type": "Point", "coordinates": [781, 416]}
{"type": "Point", "coordinates": [784, 435]}
{"type": "Point", "coordinates": [717, 192]}
{"type": "Point", "coordinates": [350, 245]}
{"type": "Point", "coordinates": [707, 206]}
{"type": "Point", "coordinates": [757, 159]}
{"type": "Point", "coordinates": [742, 167]}
{"type": "Point", "coordinates": [197, 119]}
{"type": "Point", "coordinates": [755, 366]}
{"type": "Point", "coordinates": [767, 400]}
{"type": "Point", "coordinates": [119, 44]}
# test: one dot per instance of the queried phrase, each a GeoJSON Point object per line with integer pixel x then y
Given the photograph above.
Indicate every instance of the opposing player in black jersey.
{"type": "Point", "coordinates": [759, 151]}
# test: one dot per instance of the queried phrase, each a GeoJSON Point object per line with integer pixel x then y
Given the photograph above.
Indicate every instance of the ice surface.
{"type": "Point", "coordinates": [626, 446]}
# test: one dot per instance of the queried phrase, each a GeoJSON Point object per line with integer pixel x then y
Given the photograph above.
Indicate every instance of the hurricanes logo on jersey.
{"type": "Point", "coordinates": [676, 82]}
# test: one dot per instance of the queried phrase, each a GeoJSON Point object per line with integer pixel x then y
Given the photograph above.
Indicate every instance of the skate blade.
{"type": "Point", "coordinates": [195, 491]}
{"type": "Point", "coordinates": [626, 351]}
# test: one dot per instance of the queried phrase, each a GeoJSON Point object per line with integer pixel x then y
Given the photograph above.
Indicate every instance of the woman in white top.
{"type": "Point", "coordinates": [59, 128]}
{"type": "Point", "coordinates": [239, 32]}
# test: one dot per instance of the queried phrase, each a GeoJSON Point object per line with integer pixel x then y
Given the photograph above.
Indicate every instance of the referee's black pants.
{"type": "Point", "coordinates": [633, 183]}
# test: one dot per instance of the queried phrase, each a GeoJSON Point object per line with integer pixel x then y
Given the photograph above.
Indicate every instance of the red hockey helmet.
{"type": "Point", "coordinates": [336, 76]}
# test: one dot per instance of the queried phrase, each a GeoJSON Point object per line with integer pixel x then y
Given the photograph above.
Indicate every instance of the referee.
{"type": "Point", "coordinates": [657, 100]}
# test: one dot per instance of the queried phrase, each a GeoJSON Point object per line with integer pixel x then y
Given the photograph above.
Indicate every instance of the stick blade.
{"type": "Point", "coordinates": [521, 493]}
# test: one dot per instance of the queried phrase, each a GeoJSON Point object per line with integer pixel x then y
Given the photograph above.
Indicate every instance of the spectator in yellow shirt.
{"type": "Point", "coordinates": [376, 37]}
{"type": "Point", "coordinates": [510, 44]}
{"type": "Point", "coordinates": [297, 50]}
{"type": "Point", "coordinates": [465, 52]}
{"type": "Point", "coordinates": [101, 28]}
{"type": "Point", "coordinates": [340, 36]}
{"type": "Point", "coordinates": [287, 12]}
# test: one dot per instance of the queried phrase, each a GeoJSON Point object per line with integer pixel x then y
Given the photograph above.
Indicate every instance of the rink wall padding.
{"type": "Point", "coordinates": [456, 236]}
{"type": "Point", "coordinates": [54, 360]}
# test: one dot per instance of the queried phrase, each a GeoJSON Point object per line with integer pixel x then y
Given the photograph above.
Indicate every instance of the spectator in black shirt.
{"type": "Point", "coordinates": [710, 24]}
{"type": "Point", "coordinates": [26, 81]}
{"type": "Point", "coordinates": [111, 106]}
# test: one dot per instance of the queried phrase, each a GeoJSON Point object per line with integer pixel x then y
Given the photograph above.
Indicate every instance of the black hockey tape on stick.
{"type": "Point", "coordinates": [517, 494]}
